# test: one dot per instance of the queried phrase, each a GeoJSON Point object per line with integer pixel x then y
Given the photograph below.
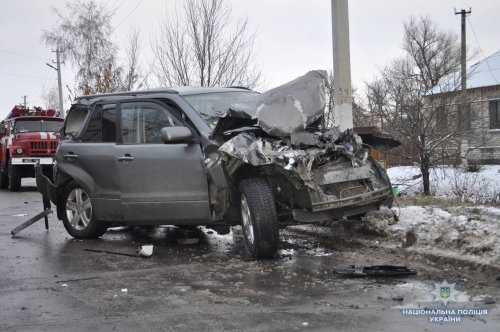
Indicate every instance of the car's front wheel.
{"type": "Point", "coordinates": [77, 213]}
{"type": "Point", "coordinates": [258, 218]}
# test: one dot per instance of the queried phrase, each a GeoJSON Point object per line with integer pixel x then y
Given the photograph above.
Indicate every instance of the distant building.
{"type": "Point", "coordinates": [482, 112]}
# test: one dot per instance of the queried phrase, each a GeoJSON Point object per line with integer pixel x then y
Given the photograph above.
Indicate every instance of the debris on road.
{"type": "Point", "coordinates": [145, 250]}
{"type": "Point", "coordinates": [374, 271]}
{"type": "Point", "coordinates": [31, 221]}
{"type": "Point", "coordinates": [111, 252]}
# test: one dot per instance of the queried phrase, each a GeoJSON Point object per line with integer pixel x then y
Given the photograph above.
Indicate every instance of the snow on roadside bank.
{"type": "Point", "coordinates": [448, 182]}
{"type": "Point", "coordinates": [466, 232]}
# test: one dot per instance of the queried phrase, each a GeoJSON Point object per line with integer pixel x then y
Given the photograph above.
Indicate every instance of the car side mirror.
{"type": "Point", "coordinates": [175, 134]}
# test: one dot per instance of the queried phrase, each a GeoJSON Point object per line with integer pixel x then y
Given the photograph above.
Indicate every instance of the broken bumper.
{"type": "Point", "coordinates": [367, 198]}
{"type": "Point", "coordinates": [337, 208]}
{"type": "Point", "coordinates": [45, 186]}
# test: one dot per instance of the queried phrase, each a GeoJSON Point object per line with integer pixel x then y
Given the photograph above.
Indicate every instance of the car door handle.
{"type": "Point", "coordinates": [70, 156]}
{"type": "Point", "coordinates": [126, 158]}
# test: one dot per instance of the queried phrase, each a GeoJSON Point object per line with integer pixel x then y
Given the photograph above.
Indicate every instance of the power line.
{"type": "Point", "coordinates": [485, 59]}
{"type": "Point", "coordinates": [133, 10]}
{"type": "Point", "coordinates": [21, 75]}
{"type": "Point", "coordinates": [22, 54]}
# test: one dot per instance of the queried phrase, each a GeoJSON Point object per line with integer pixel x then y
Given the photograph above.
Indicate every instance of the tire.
{"type": "Point", "coordinates": [77, 214]}
{"type": "Point", "coordinates": [4, 180]}
{"type": "Point", "coordinates": [14, 176]}
{"type": "Point", "coordinates": [259, 220]}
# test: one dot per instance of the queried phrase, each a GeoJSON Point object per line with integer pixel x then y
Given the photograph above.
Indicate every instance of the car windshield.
{"type": "Point", "coordinates": [211, 106]}
{"type": "Point", "coordinates": [37, 125]}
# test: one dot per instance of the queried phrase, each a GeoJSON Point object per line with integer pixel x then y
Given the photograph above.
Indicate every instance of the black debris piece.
{"type": "Point", "coordinates": [374, 271]}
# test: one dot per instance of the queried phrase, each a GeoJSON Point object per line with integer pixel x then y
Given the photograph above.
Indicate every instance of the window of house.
{"type": "Point", "coordinates": [465, 117]}
{"type": "Point", "coordinates": [441, 118]}
{"type": "Point", "coordinates": [495, 114]}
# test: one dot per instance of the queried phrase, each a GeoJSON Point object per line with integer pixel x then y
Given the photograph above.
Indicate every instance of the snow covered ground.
{"type": "Point", "coordinates": [464, 232]}
{"type": "Point", "coordinates": [449, 182]}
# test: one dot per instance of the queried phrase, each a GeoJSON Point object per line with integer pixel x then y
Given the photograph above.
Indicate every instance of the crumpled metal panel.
{"type": "Point", "coordinates": [290, 107]}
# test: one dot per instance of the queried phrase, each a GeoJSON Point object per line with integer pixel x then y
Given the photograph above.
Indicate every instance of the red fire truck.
{"type": "Point", "coordinates": [27, 136]}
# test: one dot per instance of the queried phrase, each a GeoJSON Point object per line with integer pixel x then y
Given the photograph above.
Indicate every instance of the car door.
{"type": "Point", "coordinates": [160, 183]}
{"type": "Point", "coordinates": [89, 158]}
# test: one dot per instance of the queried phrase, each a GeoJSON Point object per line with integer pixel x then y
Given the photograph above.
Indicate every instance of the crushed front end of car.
{"type": "Point", "coordinates": [315, 174]}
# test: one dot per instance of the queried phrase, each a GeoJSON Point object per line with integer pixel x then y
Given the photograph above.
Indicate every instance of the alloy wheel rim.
{"type": "Point", "coordinates": [246, 220]}
{"type": "Point", "coordinates": [79, 209]}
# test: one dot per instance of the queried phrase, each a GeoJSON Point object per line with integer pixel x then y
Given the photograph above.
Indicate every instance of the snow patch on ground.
{"type": "Point", "coordinates": [470, 233]}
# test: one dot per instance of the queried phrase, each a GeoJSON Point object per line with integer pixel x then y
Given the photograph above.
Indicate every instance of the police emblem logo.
{"type": "Point", "coordinates": [444, 292]}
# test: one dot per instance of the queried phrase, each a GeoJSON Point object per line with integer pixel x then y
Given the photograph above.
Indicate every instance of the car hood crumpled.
{"type": "Point", "coordinates": [290, 107]}
{"type": "Point", "coordinates": [280, 128]}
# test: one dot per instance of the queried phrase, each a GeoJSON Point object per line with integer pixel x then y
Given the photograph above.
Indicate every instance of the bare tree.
{"type": "Point", "coordinates": [84, 34]}
{"type": "Point", "coordinates": [135, 77]}
{"type": "Point", "coordinates": [51, 98]}
{"type": "Point", "coordinates": [328, 119]}
{"type": "Point", "coordinates": [400, 96]}
{"type": "Point", "coordinates": [201, 46]}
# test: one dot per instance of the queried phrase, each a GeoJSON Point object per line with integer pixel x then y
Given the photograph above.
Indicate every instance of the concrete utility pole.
{"type": "Point", "coordinates": [59, 81]}
{"type": "Point", "coordinates": [462, 116]}
{"type": "Point", "coordinates": [463, 75]}
{"type": "Point", "coordinates": [341, 64]}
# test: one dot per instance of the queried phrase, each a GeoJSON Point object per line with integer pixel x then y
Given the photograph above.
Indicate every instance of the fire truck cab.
{"type": "Point", "coordinates": [27, 136]}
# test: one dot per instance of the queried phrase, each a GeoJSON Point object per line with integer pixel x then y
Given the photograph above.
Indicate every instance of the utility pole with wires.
{"type": "Point", "coordinates": [58, 63]}
{"type": "Point", "coordinates": [462, 116]}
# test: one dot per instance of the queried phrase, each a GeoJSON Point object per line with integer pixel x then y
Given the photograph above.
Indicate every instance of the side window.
{"type": "Point", "coordinates": [141, 122]}
{"type": "Point", "coordinates": [93, 132]}
{"type": "Point", "coordinates": [102, 125]}
{"type": "Point", "coordinates": [109, 123]}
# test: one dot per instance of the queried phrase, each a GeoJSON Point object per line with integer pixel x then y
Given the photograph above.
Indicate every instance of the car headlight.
{"type": "Point", "coordinates": [19, 150]}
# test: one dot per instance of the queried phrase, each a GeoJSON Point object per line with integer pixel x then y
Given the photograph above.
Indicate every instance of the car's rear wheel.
{"type": "Point", "coordinates": [77, 213]}
{"type": "Point", "coordinates": [259, 220]}
{"type": "Point", "coordinates": [14, 175]}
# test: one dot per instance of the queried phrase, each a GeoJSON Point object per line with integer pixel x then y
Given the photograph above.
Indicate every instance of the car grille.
{"type": "Point", "coordinates": [345, 189]}
{"type": "Point", "coordinates": [43, 147]}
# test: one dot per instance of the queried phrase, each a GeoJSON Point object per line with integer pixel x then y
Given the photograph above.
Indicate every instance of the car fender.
{"type": "Point", "coordinates": [76, 174]}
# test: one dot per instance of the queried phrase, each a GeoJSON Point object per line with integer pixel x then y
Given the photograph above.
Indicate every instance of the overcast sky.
{"type": "Point", "coordinates": [293, 36]}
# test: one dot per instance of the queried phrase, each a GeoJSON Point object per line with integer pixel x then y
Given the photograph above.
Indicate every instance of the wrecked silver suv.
{"type": "Point", "coordinates": [210, 156]}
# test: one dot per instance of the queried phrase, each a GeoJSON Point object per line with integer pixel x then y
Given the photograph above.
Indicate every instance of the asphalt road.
{"type": "Point", "coordinates": [49, 281]}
